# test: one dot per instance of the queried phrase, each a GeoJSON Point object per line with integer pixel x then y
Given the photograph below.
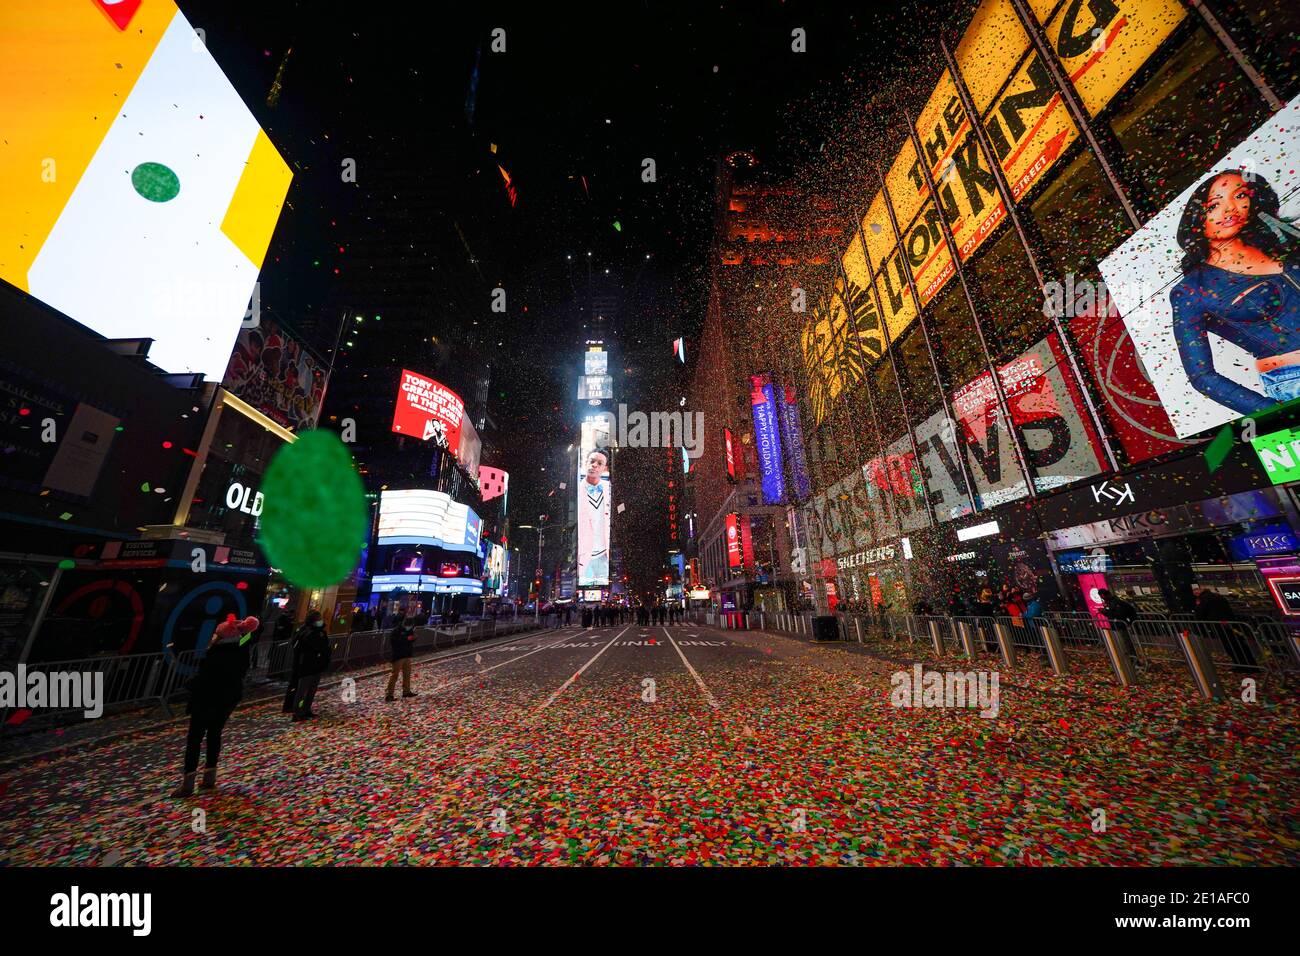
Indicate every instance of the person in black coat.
{"type": "Point", "coordinates": [312, 659]}
{"type": "Point", "coordinates": [1219, 619]}
{"type": "Point", "coordinates": [295, 657]}
{"type": "Point", "coordinates": [214, 693]}
{"type": "Point", "coordinates": [401, 642]}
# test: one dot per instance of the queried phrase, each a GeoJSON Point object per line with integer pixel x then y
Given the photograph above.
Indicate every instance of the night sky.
{"type": "Point", "coordinates": [582, 94]}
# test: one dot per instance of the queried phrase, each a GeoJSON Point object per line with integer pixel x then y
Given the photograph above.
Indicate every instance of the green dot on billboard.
{"type": "Point", "coordinates": [313, 522]}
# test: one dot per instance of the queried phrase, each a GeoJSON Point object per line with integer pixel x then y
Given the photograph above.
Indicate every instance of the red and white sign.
{"type": "Point", "coordinates": [730, 452]}
{"type": "Point", "coordinates": [428, 409]}
{"type": "Point", "coordinates": [733, 541]}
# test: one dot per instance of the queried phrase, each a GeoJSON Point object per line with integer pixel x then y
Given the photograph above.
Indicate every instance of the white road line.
{"type": "Point", "coordinates": [614, 640]}
{"type": "Point", "coordinates": [694, 673]}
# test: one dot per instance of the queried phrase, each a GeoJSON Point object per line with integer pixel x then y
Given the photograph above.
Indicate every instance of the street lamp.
{"type": "Point", "coordinates": [540, 528]}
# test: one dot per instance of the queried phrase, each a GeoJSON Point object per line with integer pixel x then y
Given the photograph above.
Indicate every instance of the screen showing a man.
{"type": "Point", "coordinates": [593, 520]}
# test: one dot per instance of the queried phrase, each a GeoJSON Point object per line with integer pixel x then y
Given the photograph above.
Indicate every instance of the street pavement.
{"type": "Point", "coordinates": [687, 745]}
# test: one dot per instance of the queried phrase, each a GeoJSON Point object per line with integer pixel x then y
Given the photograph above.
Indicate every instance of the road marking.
{"type": "Point", "coordinates": [694, 673]}
{"type": "Point", "coordinates": [614, 640]}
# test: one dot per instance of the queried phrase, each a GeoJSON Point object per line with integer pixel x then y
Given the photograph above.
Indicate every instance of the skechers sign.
{"type": "Point", "coordinates": [1279, 453]}
{"type": "Point", "coordinates": [767, 436]}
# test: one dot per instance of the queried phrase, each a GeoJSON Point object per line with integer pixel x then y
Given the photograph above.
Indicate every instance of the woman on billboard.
{"type": "Point", "coordinates": [1240, 281]}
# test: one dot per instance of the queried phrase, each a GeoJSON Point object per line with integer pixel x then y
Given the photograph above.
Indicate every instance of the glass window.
{"type": "Point", "coordinates": [1007, 296]}
{"type": "Point", "coordinates": [1269, 34]}
{"type": "Point", "coordinates": [955, 338]}
{"type": "Point", "coordinates": [1189, 111]}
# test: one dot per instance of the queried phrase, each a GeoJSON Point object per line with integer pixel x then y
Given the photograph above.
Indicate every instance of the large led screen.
{"type": "Point", "coordinates": [593, 518]}
{"type": "Point", "coordinates": [138, 194]}
{"type": "Point", "coordinates": [418, 516]}
{"type": "Point", "coordinates": [1210, 287]}
{"type": "Point", "coordinates": [428, 409]}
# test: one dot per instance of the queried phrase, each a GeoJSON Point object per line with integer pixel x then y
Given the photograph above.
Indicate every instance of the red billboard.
{"type": "Point", "coordinates": [730, 451]}
{"type": "Point", "coordinates": [428, 409]}
{"type": "Point", "coordinates": [733, 541]}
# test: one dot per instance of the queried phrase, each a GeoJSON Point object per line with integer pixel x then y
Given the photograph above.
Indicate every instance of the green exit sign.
{"type": "Point", "coordinates": [1279, 453]}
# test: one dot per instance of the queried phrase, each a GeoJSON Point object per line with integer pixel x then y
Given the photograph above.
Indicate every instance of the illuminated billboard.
{"type": "Point", "coordinates": [734, 546]}
{"type": "Point", "coordinates": [1209, 288]}
{"type": "Point", "coordinates": [593, 518]}
{"type": "Point", "coordinates": [270, 370]}
{"type": "Point", "coordinates": [792, 436]}
{"type": "Point", "coordinates": [767, 437]}
{"type": "Point", "coordinates": [1100, 47]}
{"type": "Point", "coordinates": [419, 516]}
{"type": "Point", "coordinates": [595, 387]}
{"type": "Point", "coordinates": [595, 362]}
{"type": "Point", "coordinates": [428, 409]}
{"type": "Point", "coordinates": [138, 194]}
{"type": "Point", "coordinates": [729, 453]}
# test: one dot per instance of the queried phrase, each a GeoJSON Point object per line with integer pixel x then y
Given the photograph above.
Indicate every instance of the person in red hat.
{"type": "Point", "coordinates": [214, 693]}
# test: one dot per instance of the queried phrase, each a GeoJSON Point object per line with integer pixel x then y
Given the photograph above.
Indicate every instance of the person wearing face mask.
{"type": "Point", "coordinates": [214, 693]}
{"type": "Point", "coordinates": [313, 659]}
{"type": "Point", "coordinates": [1241, 281]}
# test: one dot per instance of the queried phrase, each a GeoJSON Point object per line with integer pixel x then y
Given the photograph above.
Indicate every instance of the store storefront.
{"type": "Point", "coordinates": [1157, 559]}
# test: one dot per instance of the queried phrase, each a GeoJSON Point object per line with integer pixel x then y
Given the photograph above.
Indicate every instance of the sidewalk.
{"type": "Point", "coordinates": [22, 748]}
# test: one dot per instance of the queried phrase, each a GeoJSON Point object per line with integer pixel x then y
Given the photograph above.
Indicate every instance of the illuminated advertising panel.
{"type": "Point", "coordinates": [734, 545]}
{"type": "Point", "coordinates": [767, 437]}
{"type": "Point", "coordinates": [593, 519]}
{"type": "Point", "coordinates": [1101, 46]}
{"type": "Point", "coordinates": [158, 192]}
{"type": "Point", "coordinates": [1218, 333]}
{"type": "Point", "coordinates": [595, 362]}
{"type": "Point", "coordinates": [729, 451]}
{"type": "Point", "coordinates": [595, 387]}
{"type": "Point", "coordinates": [470, 448]}
{"type": "Point", "coordinates": [792, 434]}
{"type": "Point", "coordinates": [419, 516]}
{"type": "Point", "coordinates": [271, 371]}
{"type": "Point", "coordinates": [1048, 413]}
{"type": "Point", "coordinates": [428, 409]}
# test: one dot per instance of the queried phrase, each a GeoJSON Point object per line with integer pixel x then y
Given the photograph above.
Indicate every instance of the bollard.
{"type": "Point", "coordinates": [1004, 643]}
{"type": "Point", "coordinates": [1121, 664]}
{"type": "Point", "coordinates": [1055, 653]}
{"type": "Point", "coordinates": [936, 638]}
{"type": "Point", "coordinates": [1199, 662]}
{"type": "Point", "coordinates": [967, 636]}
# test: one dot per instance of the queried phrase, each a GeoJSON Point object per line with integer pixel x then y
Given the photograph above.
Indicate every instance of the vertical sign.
{"type": "Point", "coordinates": [733, 540]}
{"type": "Point", "coordinates": [767, 438]}
{"type": "Point", "coordinates": [792, 433]}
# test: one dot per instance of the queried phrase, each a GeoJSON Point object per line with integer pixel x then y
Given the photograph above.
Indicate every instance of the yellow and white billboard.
{"type": "Point", "coordinates": [138, 193]}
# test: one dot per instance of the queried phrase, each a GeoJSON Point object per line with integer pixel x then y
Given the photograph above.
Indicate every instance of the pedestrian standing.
{"type": "Point", "coordinates": [295, 658]}
{"type": "Point", "coordinates": [1121, 615]}
{"type": "Point", "coordinates": [401, 642]}
{"type": "Point", "coordinates": [214, 693]}
{"type": "Point", "coordinates": [1220, 618]}
{"type": "Point", "coordinates": [985, 609]}
{"type": "Point", "coordinates": [313, 660]}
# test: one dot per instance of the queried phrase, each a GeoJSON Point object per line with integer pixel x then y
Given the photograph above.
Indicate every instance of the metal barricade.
{"type": "Point", "coordinates": [1077, 633]}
